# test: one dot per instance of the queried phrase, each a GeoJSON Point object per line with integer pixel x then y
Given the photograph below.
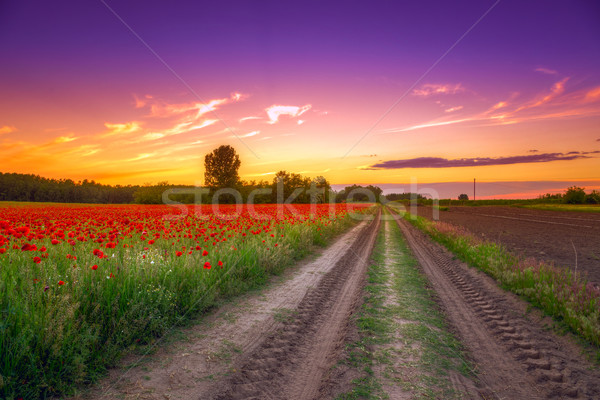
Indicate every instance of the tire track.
{"type": "Point", "coordinates": [517, 359]}
{"type": "Point", "coordinates": [292, 362]}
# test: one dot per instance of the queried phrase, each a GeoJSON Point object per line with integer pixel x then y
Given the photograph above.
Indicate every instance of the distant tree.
{"type": "Point", "coordinates": [221, 168]}
{"type": "Point", "coordinates": [359, 193]}
{"type": "Point", "coordinates": [463, 197]}
{"type": "Point", "coordinates": [404, 196]}
{"type": "Point", "coordinates": [574, 195]}
{"type": "Point", "coordinates": [290, 182]}
{"type": "Point", "coordinates": [593, 197]}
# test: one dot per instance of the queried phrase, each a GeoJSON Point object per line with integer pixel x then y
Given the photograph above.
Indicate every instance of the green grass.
{"type": "Point", "coordinates": [559, 292]}
{"type": "Point", "coordinates": [427, 342]}
{"type": "Point", "coordinates": [56, 339]}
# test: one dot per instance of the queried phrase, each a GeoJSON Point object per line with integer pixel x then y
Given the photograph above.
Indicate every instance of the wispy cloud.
{"type": "Point", "coordinates": [263, 174]}
{"type": "Point", "coordinates": [557, 89]}
{"type": "Point", "coordinates": [118, 129]}
{"type": "Point", "coordinates": [592, 95]}
{"type": "Point", "coordinates": [438, 162]}
{"type": "Point", "coordinates": [430, 89]}
{"type": "Point", "coordinates": [554, 103]}
{"type": "Point", "coordinates": [141, 156]}
{"type": "Point", "coordinates": [64, 139]}
{"type": "Point", "coordinates": [427, 125]}
{"type": "Point", "coordinates": [452, 109]}
{"type": "Point", "coordinates": [546, 71]}
{"type": "Point", "coordinates": [179, 128]}
{"type": "Point", "coordinates": [249, 118]}
{"type": "Point", "coordinates": [164, 109]}
{"type": "Point", "coordinates": [249, 134]}
{"type": "Point", "coordinates": [276, 111]}
{"type": "Point", "coordinates": [7, 129]}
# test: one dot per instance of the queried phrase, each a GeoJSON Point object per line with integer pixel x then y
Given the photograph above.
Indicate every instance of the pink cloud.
{"type": "Point", "coordinates": [430, 89]}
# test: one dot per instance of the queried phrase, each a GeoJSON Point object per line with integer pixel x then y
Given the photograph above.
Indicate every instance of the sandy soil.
{"type": "Point", "coordinates": [566, 238]}
{"type": "Point", "coordinates": [515, 355]}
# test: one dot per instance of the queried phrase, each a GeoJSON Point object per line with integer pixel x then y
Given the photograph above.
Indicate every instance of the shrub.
{"type": "Point", "coordinates": [574, 195]}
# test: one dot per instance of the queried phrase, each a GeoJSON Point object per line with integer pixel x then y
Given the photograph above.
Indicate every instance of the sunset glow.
{"type": "Point", "coordinates": [134, 93]}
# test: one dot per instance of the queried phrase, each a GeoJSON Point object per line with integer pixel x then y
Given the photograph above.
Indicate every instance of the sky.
{"type": "Point", "coordinates": [380, 92]}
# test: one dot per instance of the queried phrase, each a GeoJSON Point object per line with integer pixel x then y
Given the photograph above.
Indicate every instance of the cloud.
{"type": "Point", "coordinates": [249, 118]}
{"type": "Point", "coordinates": [554, 103]}
{"type": "Point", "coordinates": [428, 125]}
{"type": "Point", "coordinates": [276, 111]}
{"type": "Point", "coordinates": [178, 129]}
{"type": "Point", "coordinates": [546, 71]}
{"type": "Point", "coordinates": [64, 139]}
{"type": "Point", "coordinates": [533, 151]}
{"type": "Point", "coordinates": [593, 94]}
{"type": "Point", "coordinates": [438, 162]}
{"type": "Point", "coordinates": [7, 129]}
{"type": "Point", "coordinates": [196, 108]}
{"type": "Point", "coordinates": [436, 89]}
{"type": "Point", "coordinates": [249, 134]}
{"type": "Point", "coordinates": [118, 129]}
{"type": "Point", "coordinates": [141, 156]}
{"type": "Point", "coordinates": [452, 109]}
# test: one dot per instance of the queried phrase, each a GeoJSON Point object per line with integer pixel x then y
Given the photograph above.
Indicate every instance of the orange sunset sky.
{"type": "Point", "coordinates": [137, 92]}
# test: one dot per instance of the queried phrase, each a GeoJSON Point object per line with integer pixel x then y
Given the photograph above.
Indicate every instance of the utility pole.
{"type": "Point", "coordinates": [473, 188]}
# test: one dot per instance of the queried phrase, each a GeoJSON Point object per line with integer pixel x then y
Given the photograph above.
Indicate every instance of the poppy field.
{"type": "Point", "coordinates": [80, 284]}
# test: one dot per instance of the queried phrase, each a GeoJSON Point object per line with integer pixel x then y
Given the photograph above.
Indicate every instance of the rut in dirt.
{"type": "Point", "coordinates": [515, 357]}
{"type": "Point", "coordinates": [293, 362]}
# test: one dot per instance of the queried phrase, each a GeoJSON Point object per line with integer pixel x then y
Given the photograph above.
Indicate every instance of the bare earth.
{"type": "Point", "coordinates": [565, 238]}
{"type": "Point", "coordinates": [515, 356]}
{"type": "Point", "coordinates": [282, 342]}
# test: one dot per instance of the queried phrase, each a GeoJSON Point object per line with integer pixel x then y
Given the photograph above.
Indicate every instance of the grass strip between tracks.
{"type": "Point", "coordinates": [404, 340]}
{"type": "Point", "coordinates": [559, 292]}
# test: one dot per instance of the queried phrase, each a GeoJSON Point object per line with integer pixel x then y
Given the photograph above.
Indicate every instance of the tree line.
{"type": "Point", "coordinates": [222, 184]}
{"type": "Point", "coordinates": [28, 187]}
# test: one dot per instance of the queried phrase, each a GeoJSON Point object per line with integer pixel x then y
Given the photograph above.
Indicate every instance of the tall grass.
{"type": "Point", "coordinates": [560, 292]}
{"type": "Point", "coordinates": [63, 323]}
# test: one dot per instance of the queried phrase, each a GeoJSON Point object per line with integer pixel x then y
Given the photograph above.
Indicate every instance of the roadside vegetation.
{"type": "Point", "coordinates": [404, 342]}
{"type": "Point", "coordinates": [560, 292]}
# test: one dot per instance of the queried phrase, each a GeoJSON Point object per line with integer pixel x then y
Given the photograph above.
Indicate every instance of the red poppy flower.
{"type": "Point", "coordinates": [178, 254]}
{"type": "Point", "coordinates": [60, 283]}
{"type": "Point", "coordinates": [55, 242]}
{"type": "Point", "coordinates": [37, 260]}
{"type": "Point", "coordinates": [94, 267]}
{"type": "Point", "coordinates": [2, 251]}
{"type": "Point", "coordinates": [205, 253]}
{"type": "Point", "coordinates": [220, 263]}
{"type": "Point", "coordinates": [207, 265]}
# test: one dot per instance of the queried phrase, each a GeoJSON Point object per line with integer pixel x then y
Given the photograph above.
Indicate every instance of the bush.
{"type": "Point", "coordinates": [574, 195]}
{"type": "Point", "coordinates": [593, 197]}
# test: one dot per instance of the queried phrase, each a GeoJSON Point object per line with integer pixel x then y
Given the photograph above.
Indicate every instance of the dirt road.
{"type": "Point", "coordinates": [282, 342]}
{"type": "Point", "coordinates": [276, 345]}
{"type": "Point", "coordinates": [516, 358]}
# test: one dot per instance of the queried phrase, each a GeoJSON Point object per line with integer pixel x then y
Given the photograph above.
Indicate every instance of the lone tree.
{"type": "Point", "coordinates": [221, 168]}
{"type": "Point", "coordinates": [574, 195]}
{"type": "Point", "coordinates": [463, 197]}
